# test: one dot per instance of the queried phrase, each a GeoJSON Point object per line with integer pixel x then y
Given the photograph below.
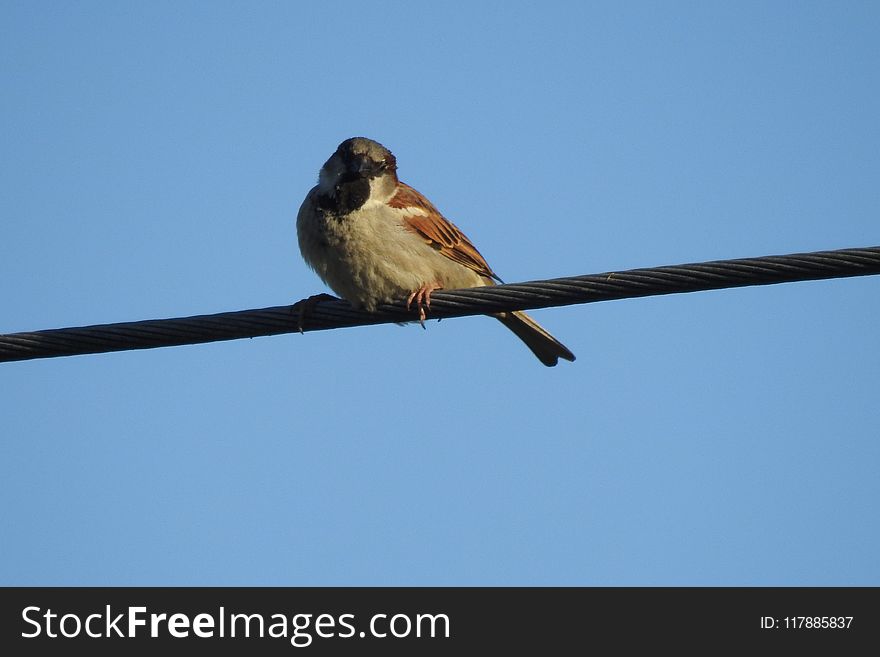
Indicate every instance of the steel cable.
{"type": "Point", "coordinates": [330, 313]}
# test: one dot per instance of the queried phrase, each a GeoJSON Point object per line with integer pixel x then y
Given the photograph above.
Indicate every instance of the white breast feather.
{"type": "Point", "coordinates": [371, 258]}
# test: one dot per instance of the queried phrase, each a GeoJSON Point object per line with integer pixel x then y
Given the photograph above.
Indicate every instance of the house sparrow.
{"type": "Point", "coordinates": [374, 239]}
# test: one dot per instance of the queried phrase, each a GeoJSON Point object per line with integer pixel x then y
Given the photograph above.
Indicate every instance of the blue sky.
{"type": "Point", "coordinates": [155, 155]}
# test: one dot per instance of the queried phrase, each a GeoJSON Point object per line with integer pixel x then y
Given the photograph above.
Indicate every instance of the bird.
{"type": "Point", "coordinates": [374, 239]}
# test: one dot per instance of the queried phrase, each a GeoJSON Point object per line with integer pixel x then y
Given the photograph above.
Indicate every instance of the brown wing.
{"type": "Point", "coordinates": [438, 231]}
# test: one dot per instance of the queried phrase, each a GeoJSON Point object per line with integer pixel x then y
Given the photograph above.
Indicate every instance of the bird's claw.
{"type": "Point", "coordinates": [304, 308]}
{"type": "Point", "coordinates": [422, 298]}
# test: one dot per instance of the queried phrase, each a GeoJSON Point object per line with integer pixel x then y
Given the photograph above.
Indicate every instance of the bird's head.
{"type": "Point", "coordinates": [360, 170]}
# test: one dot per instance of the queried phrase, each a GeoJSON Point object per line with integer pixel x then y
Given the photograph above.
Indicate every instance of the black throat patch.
{"type": "Point", "coordinates": [348, 197]}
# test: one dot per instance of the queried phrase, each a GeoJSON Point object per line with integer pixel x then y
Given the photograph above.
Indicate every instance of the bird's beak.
{"type": "Point", "coordinates": [359, 165]}
{"type": "Point", "coordinates": [364, 167]}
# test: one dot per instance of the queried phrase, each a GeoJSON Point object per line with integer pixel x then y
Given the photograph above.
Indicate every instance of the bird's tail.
{"type": "Point", "coordinates": [547, 348]}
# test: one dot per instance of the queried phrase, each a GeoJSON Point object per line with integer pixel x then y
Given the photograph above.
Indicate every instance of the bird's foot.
{"type": "Point", "coordinates": [422, 298]}
{"type": "Point", "coordinates": [304, 308]}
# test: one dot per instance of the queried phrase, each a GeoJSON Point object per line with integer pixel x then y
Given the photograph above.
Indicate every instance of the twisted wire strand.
{"type": "Point", "coordinates": [331, 313]}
